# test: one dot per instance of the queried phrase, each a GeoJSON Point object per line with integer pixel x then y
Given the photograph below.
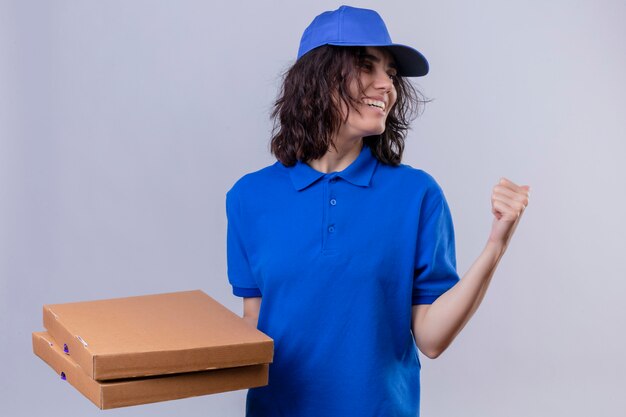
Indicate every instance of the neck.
{"type": "Point", "coordinates": [339, 159]}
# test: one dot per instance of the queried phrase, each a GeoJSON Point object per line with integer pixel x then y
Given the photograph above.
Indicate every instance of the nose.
{"type": "Point", "coordinates": [383, 81]}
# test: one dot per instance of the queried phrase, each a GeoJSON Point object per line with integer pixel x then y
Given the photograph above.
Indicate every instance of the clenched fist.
{"type": "Point", "coordinates": [508, 202]}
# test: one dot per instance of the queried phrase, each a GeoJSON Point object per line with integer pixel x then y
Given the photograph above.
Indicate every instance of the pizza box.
{"type": "Point", "coordinates": [135, 391]}
{"type": "Point", "coordinates": [156, 334]}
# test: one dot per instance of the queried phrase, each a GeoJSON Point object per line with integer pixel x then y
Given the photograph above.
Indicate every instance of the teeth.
{"type": "Point", "coordinates": [374, 103]}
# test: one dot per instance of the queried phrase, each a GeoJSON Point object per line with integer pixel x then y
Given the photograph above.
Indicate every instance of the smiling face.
{"type": "Point", "coordinates": [374, 100]}
{"type": "Point", "coordinates": [321, 106]}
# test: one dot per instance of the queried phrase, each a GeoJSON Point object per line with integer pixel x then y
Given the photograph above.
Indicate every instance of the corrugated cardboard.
{"type": "Point", "coordinates": [134, 391]}
{"type": "Point", "coordinates": [155, 335]}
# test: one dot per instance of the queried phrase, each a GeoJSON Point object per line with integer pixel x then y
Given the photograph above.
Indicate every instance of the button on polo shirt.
{"type": "Point", "coordinates": [339, 259]}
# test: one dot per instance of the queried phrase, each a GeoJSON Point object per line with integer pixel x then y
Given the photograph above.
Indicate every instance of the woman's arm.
{"type": "Point", "coordinates": [436, 325]}
{"type": "Point", "coordinates": [251, 307]}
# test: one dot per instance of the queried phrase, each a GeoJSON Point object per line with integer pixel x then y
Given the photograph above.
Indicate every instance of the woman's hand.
{"type": "Point", "coordinates": [508, 202]}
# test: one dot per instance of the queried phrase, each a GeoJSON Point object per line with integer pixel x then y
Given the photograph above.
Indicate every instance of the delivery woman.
{"type": "Point", "coordinates": [342, 254]}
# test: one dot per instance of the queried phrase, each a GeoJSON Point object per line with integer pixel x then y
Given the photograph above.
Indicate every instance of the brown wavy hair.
{"type": "Point", "coordinates": [308, 112]}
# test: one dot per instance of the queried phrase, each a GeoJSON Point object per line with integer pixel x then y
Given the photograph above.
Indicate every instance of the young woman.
{"type": "Point", "coordinates": [342, 254]}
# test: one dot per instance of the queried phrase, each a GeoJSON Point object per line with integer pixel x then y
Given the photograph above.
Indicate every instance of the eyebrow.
{"type": "Point", "coordinates": [374, 58]}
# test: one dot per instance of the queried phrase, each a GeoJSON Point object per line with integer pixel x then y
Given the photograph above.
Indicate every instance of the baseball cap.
{"type": "Point", "coordinates": [352, 26]}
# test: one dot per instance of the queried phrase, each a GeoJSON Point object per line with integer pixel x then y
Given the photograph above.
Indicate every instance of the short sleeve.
{"type": "Point", "coordinates": [435, 258]}
{"type": "Point", "coordinates": [238, 266]}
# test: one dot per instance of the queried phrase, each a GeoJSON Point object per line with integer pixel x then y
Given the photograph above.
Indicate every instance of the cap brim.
{"type": "Point", "coordinates": [410, 62]}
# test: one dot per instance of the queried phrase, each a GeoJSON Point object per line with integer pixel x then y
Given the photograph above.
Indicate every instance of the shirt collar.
{"type": "Point", "coordinates": [359, 172]}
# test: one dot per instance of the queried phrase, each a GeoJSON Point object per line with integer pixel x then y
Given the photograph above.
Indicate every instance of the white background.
{"type": "Point", "coordinates": [123, 124]}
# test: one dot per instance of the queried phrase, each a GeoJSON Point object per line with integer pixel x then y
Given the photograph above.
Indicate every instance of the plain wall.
{"type": "Point", "coordinates": [124, 123]}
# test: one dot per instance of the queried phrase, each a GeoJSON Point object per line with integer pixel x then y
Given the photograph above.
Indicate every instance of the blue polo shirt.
{"type": "Point", "coordinates": [339, 259]}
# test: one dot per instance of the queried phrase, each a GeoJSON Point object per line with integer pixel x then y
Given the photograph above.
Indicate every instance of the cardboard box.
{"type": "Point", "coordinates": [155, 335]}
{"type": "Point", "coordinates": [134, 391]}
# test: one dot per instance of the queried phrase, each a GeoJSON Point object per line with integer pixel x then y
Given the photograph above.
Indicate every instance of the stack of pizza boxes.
{"type": "Point", "coordinates": [137, 350]}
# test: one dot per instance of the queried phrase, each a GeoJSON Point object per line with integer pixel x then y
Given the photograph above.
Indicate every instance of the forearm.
{"type": "Point", "coordinates": [446, 317]}
{"type": "Point", "coordinates": [252, 321]}
{"type": "Point", "coordinates": [251, 308]}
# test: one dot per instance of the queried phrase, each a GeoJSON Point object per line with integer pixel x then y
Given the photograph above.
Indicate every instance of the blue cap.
{"type": "Point", "coordinates": [351, 26]}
